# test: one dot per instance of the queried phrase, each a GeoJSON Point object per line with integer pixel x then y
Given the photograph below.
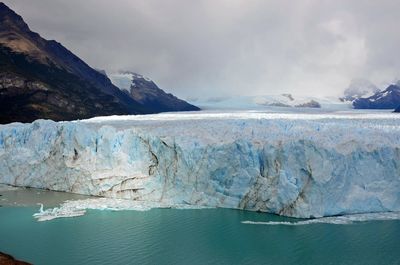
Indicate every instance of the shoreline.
{"type": "Point", "coordinates": [7, 259]}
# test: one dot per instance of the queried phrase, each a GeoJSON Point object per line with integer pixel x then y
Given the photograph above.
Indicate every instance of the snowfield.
{"type": "Point", "coordinates": [300, 165]}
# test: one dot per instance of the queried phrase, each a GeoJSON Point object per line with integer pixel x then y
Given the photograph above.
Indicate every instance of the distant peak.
{"type": "Point", "coordinates": [3, 6]}
{"type": "Point", "coordinates": [289, 96]}
{"type": "Point", "coordinates": [360, 87]}
{"type": "Point", "coordinates": [4, 10]}
{"type": "Point", "coordinates": [135, 76]}
{"type": "Point", "coordinates": [393, 87]}
{"type": "Point", "coordinates": [10, 19]}
{"type": "Point", "coordinates": [101, 71]}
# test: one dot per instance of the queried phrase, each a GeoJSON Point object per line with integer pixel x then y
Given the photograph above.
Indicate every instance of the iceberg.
{"type": "Point", "coordinates": [298, 165]}
{"type": "Point", "coordinates": [61, 212]}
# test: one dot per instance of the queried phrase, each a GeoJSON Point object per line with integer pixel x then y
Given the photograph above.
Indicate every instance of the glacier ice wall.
{"type": "Point", "coordinates": [293, 165]}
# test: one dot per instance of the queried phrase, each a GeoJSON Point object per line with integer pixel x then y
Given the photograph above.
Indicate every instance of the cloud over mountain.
{"type": "Point", "coordinates": [225, 47]}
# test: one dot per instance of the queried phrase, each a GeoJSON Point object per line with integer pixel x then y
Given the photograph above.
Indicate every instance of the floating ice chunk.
{"type": "Point", "coordinates": [61, 212]}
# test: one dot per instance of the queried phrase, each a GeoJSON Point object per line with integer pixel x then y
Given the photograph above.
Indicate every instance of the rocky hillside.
{"type": "Point", "coordinates": [6, 259]}
{"type": "Point", "coordinates": [146, 92]}
{"type": "Point", "coordinates": [43, 79]}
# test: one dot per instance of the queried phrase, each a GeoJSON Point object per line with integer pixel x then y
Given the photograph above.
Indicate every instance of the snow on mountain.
{"type": "Point", "coordinates": [286, 100]}
{"type": "Point", "coordinates": [125, 79]}
{"type": "Point", "coordinates": [122, 80]}
{"type": "Point", "coordinates": [272, 102]}
{"type": "Point", "coordinates": [145, 91]}
{"type": "Point", "coordinates": [359, 88]}
{"type": "Point", "coordinates": [387, 99]}
{"type": "Point", "coordinates": [300, 165]}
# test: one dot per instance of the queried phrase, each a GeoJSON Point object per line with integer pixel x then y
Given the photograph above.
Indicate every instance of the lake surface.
{"type": "Point", "coordinates": [206, 236]}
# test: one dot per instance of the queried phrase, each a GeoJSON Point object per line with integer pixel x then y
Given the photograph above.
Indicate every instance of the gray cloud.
{"type": "Point", "coordinates": [229, 47]}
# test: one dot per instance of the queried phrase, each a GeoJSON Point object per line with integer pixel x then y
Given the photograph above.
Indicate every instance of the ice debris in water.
{"type": "Point", "coordinates": [58, 212]}
{"type": "Point", "coordinates": [76, 208]}
{"type": "Point", "coordinates": [337, 220]}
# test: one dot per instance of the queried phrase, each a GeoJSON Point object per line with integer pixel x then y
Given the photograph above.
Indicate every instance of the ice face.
{"type": "Point", "coordinates": [300, 165]}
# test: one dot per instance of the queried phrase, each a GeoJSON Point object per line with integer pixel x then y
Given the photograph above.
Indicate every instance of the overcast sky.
{"type": "Point", "coordinates": [217, 48]}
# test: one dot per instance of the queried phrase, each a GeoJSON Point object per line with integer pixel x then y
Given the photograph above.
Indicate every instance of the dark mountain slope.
{"type": "Point", "coordinates": [42, 79]}
{"type": "Point", "coordinates": [30, 91]}
{"type": "Point", "coordinates": [387, 99]}
{"type": "Point", "coordinates": [146, 92]}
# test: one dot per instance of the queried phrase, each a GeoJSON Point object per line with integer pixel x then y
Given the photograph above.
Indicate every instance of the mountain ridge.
{"type": "Point", "coordinates": [386, 99]}
{"type": "Point", "coordinates": [74, 90]}
{"type": "Point", "coordinates": [145, 91]}
{"type": "Point", "coordinates": [359, 88]}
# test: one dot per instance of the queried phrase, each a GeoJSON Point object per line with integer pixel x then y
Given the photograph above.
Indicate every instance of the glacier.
{"type": "Point", "coordinates": [299, 165]}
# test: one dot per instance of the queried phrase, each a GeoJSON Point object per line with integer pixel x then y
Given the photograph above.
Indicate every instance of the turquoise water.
{"type": "Point", "coordinates": [208, 236]}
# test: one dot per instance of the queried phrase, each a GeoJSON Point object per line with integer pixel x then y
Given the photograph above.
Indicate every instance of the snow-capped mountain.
{"type": "Point", "coordinates": [145, 91]}
{"type": "Point", "coordinates": [288, 101]}
{"type": "Point", "coordinates": [387, 99]}
{"type": "Point", "coordinates": [359, 88]}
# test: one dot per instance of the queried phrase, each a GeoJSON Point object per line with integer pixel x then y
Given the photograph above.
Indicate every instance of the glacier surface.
{"type": "Point", "coordinates": [300, 165]}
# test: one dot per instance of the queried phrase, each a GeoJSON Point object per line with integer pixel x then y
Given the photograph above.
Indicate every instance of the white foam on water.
{"type": "Point", "coordinates": [336, 220]}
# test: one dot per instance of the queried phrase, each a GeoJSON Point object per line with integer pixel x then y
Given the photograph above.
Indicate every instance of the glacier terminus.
{"type": "Point", "coordinates": [299, 165]}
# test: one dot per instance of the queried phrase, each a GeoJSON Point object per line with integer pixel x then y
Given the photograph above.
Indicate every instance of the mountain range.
{"type": "Point", "coordinates": [386, 99]}
{"type": "Point", "coordinates": [365, 95]}
{"type": "Point", "coordinates": [41, 79]}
